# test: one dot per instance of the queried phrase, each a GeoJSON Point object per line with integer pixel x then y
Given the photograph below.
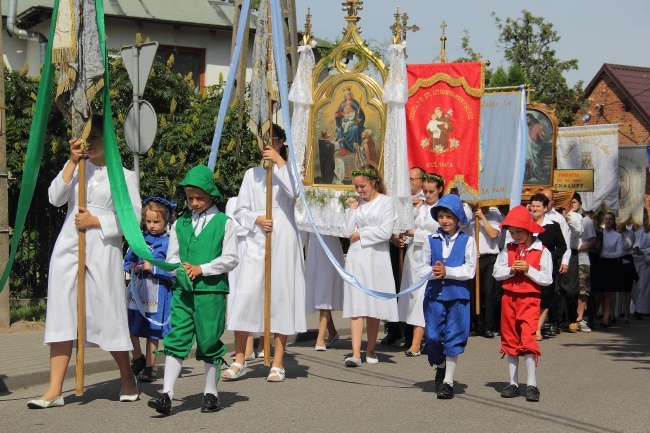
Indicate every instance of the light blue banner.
{"type": "Point", "coordinates": [502, 147]}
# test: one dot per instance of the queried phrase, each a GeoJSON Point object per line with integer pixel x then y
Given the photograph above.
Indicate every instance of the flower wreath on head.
{"type": "Point", "coordinates": [171, 206]}
{"type": "Point", "coordinates": [365, 172]}
{"type": "Point", "coordinates": [433, 176]}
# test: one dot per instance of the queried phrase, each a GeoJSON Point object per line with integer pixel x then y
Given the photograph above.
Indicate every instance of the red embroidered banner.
{"type": "Point", "coordinates": [442, 121]}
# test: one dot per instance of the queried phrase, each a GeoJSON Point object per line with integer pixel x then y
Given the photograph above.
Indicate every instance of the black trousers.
{"type": "Point", "coordinates": [487, 318]}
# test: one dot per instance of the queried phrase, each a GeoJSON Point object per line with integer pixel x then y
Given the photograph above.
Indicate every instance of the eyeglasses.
{"type": "Point", "coordinates": [414, 179]}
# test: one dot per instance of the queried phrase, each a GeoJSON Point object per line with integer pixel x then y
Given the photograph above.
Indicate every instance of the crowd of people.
{"type": "Point", "coordinates": [541, 271]}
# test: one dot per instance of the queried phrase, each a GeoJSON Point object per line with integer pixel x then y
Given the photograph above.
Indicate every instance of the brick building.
{"type": "Point", "coordinates": [620, 94]}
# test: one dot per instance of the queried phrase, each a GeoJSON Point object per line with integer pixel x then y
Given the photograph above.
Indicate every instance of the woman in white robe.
{"type": "Point", "coordinates": [369, 225]}
{"type": "Point", "coordinates": [324, 287]}
{"type": "Point", "coordinates": [410, 307]}
{"type": "Point", "coordinates": [287, 267]}
{"type": "Point", "coordinates": [641, 255]}
{"type": "Point", "coordinates": [106, 314]}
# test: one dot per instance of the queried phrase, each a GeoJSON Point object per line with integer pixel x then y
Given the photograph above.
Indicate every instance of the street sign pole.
{"type": "Point", "coordinates": [136, 105]}
{"type": "Point", "coordinates": [138, 59]}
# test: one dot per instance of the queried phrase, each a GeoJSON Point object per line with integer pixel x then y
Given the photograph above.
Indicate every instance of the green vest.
{"type": "Point", "coordinates": [199, 250]}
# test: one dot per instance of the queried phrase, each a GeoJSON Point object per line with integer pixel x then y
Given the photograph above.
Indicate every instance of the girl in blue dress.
{"type": "Point", "coordinates": [149, 294]}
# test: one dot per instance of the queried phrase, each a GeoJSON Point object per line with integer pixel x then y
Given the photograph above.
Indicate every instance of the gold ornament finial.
{"type": "Point", "coordinates": [306, 37]}
{"type": "Point", "coordinates": [352, 6]}
{"type": "Point", "coordinates": [443, 39]}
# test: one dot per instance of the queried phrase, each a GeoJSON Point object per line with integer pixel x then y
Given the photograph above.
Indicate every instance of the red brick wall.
{"type": "Point", "coordinates": [633, 129]}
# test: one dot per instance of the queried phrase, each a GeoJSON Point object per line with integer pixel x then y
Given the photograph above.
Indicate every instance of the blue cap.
{"type": "Point", "coordinates": [455, 206]}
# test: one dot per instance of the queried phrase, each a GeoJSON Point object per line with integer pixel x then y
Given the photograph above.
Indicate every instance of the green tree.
{"type": "Point", "coordinates": [529, 42]}
{"type": "Point", "coordinates": [186, 122]}
{"type": "Point", "coordinates": [514, 77]}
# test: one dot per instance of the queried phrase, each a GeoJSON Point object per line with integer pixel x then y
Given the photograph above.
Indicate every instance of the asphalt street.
{"type": "Point", "coordinates": [596, 382]}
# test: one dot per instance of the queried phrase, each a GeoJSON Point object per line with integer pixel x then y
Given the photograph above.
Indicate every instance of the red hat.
{"type": "Point", "coordinates": [520, 217]}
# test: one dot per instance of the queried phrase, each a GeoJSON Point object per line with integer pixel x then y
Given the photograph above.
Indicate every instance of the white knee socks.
{"type": "Point", "coordinates": [172, 371]}
{"type": "Point", "coordinates": [210, 379]}
{"type": "Point", "coordinates": [513, 369]}
{"type": "Point", "coordinates": [451, 367]}
{"type": "Point", "coordinates": [530, 368]}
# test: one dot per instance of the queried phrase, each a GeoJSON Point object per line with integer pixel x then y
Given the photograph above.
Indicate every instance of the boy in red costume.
{"type": "Point", "coordinates": [524, 266]}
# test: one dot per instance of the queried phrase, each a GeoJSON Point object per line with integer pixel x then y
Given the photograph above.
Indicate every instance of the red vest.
{"type": "Point", "coordinates": [520, 283]}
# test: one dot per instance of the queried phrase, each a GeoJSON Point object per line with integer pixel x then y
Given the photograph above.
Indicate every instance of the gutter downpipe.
{"type": "Point", "coordinates": [13, 30]}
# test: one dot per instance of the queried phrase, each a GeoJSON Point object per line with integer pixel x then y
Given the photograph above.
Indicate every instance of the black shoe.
{"type": "Point", "coordinates": [446, 391]}
{"type": "Point", "coordinates": [510, 391]}
{"type": "Point", "coordinates": [440, 377]}
{"type": "Point", "coordinates": [162, 403]}
{"type": "Point", "coordinates": [473, 334]}
{"type": "Point", "coordinates": [210, 403]}
{"type": "Point", "coordinates": [532, 393]}
{"type": "Point", "coordinates": [552, 329]}
{"type": "Point", "coordinates": [487, 333]}
{"type": "Point", "coordinates": [138, 364]}
{"type": "Point", "coordinates": [389, 340]}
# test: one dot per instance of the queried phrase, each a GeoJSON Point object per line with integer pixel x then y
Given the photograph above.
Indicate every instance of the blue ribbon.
{"type": "Point", "coordinates": [227, 93]}
{"type": "Point", "coordinates": [281, 68]}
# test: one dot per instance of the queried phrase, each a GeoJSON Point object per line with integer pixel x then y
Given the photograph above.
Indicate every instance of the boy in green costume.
{"type": "Point", "coordinates": [204, 241]}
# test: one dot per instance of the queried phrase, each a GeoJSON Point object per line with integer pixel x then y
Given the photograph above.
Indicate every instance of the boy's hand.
{"type": "Point", "coordinates": [146, 266]}
{"type": "Point", "coordinates": [355, 237]}
{"type": "Point", "coordinates": [520, 266]}
{"type": "Point", "coordinates": [439, 270]}
{"type": "Point", "coordinates": [193, 271]}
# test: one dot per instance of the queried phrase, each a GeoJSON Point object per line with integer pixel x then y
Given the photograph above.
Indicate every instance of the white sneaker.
{"type": "Point", "coordinates": [583, 327]}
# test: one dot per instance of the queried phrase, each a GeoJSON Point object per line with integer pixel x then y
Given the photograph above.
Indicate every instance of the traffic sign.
{"type": "Point", "coordinates": [148, 128]}
{"type": "Point", "coordinates": [139, 58]}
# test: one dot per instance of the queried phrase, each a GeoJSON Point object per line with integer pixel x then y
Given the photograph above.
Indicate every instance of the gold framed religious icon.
{"type": "Point", "coordinates": [346, 132]}
{"type": "Point", "coordinates": [540, 148]}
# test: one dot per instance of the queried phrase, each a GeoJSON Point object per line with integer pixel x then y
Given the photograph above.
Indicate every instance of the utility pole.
{"type": "Point", "coordinates": [4, 197]}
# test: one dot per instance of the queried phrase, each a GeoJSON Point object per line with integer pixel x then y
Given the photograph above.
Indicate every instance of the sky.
{"type": "Point", "coordinates": [592, 31]}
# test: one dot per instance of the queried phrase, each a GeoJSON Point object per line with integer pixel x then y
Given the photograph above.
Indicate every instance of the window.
{"type": "Point", "coordinates": [186, 60]}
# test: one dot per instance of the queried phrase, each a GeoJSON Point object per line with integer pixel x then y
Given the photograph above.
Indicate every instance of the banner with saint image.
{"type": "Point", "coordinates": [592, 147]}
{"type": "Point", "coordinates": [631, 184]}
{"type": "Point", "coordinates": [442, 121]}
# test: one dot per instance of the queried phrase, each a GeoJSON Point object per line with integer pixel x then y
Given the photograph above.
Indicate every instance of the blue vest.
{"type": "Point", "coordinates": [443, 289]}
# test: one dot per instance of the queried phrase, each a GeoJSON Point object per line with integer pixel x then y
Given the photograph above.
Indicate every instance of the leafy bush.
{"type": "Point", "coordinates": [28, 313]}
{"type": "Point", "coordinates": [186, 122]}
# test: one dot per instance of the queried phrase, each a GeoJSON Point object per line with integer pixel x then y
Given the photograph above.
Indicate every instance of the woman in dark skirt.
{"type": "Point", "coordinates": [628, 270]}
{"type": "Point", "coordinates": [553, 240]}
{"type": "Point", "coordinates": [610, 268]}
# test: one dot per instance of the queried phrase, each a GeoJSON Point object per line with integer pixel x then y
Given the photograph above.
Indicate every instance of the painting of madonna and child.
{"type": "Point", "coordinates": [348, 135]}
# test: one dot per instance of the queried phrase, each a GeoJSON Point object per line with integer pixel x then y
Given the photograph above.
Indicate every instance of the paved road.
{"type": "Point", "coordinates": [598, 382]}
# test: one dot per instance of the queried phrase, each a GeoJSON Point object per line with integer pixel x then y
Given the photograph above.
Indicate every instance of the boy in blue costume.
{"type": "Point", "coordinates": [451, 255]}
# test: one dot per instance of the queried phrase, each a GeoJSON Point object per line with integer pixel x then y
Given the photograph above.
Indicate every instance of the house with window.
{"type": "Point", "coordinates": [197, 32]}
{"type": "Point", "coordinates": [620, 94]}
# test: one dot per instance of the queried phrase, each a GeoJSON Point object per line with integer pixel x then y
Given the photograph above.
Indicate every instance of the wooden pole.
{"type": "Point", "coordinates": [81, 286]}
{"type": "Point", "coordinates": [269, 215]}
{"type": "Point", "coordinates": [476, 275]}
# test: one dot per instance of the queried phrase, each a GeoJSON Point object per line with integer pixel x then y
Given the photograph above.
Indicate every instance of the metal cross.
{"type": "Point", "coordinates": [400, 27]}
{"type": "Point", "coordinates": [352, 6]}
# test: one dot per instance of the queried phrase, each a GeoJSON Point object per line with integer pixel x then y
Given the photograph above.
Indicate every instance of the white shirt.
{"type": "Point", "coordinates": [588, 232]}
{"type": "Point", "coordinates": [612, 245]}
{"type": "Point", "coordinates": [487, 245]}
{"type": "Point", "coordinates": [542, 276]}
{"type": "Point", "coordinates": [463, 272]}
{"type": "Point", "coordinates": [559, 218]}
{"type": "Point", "coordinates": [226, 262]}
{"type": "Point", "coordinates": [575, 228]}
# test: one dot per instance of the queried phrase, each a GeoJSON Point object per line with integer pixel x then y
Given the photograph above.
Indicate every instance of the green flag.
{"type": "Point", "coordinates": [38, 131]}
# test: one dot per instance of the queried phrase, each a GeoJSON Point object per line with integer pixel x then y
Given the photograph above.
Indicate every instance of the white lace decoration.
{"type": "Point", "coordinates": [396, 169]}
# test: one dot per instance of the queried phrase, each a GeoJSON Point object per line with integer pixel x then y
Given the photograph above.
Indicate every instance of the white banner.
{"type": "Point", "coordinates": [631, 184]}
{"type": "Point", "coordinates": [592, 147]}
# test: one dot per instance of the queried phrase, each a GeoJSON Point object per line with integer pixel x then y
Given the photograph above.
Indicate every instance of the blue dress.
{"type": "Point", "coordinates": [138, 325]}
